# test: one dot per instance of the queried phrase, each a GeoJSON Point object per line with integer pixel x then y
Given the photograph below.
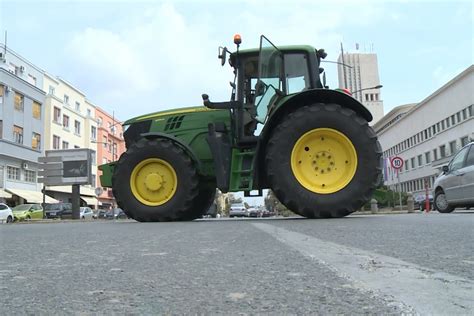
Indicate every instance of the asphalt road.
{"type": "Point", "coordinates": [382, 264]}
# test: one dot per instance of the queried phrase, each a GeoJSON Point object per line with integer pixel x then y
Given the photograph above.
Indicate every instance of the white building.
{"type": "Point", "coordinates": [426, 135]}
{"type": "Point", "coordinates": [360, 73]}
{"type": "Point", "coordinates": [69, 123]}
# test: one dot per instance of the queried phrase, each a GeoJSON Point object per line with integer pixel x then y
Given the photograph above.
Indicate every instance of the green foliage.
{"type": "Point", "coordinates": [273, 204]}
{"type": "Point", "coordinates": [388, 198]}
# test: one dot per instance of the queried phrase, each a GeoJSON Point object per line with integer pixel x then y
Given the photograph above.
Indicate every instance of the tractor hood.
{"type": "Point", "coordinates": [165, 113]}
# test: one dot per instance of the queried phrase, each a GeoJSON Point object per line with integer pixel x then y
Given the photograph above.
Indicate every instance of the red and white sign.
{"type": "Point", "coordinates": [397, 163]}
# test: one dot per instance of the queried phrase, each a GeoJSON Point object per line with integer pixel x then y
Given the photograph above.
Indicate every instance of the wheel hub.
{"type": "Point", "coordinates": [324, 160]}
{"type": "Point", "coordinates": [153, 181]}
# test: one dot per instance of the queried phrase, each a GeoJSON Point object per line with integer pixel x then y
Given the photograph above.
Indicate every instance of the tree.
{"type": "Point", "coordinates": [273, 204]}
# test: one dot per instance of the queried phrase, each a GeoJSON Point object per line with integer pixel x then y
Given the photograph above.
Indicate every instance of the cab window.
{"type": "Point", "coordinates": [296, 73]}
{"type": "Point", "coordinates": [458, 161]}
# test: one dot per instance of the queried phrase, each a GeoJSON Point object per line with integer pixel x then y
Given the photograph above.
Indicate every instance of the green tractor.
{"type": "Point", "coordinates": [283, 129]}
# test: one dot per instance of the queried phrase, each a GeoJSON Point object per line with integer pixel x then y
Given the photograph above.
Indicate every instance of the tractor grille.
{"type": "Point", "coordinates": [133, 132]}
{"type": "Point", "coordinates": [174, 122]}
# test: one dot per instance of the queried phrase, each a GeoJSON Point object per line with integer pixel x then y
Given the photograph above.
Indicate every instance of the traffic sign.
{"type": "Point", "coordinates": [397, 163]}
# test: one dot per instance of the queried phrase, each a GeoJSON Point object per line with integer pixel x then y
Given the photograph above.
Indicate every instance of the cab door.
{"type": "Point", "coordinates": [467, 175]}
{"type": "Point", "coordinates": [454, 188]}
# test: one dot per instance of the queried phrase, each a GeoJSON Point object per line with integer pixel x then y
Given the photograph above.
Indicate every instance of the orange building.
{"type": "Point", "coordinates": [110, 146]}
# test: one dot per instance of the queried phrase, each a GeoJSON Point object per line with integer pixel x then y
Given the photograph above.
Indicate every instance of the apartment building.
{"type": "Point", "coordinates": [427, 135]}
{"type": "Point", "coordinates": [111, 146]}
{"type": "Point", "coordinates": [22, 133]}
{"type": "Point", "coordinates": [359, 73]}
{"type": "Point", "coordinates": [70, 123]}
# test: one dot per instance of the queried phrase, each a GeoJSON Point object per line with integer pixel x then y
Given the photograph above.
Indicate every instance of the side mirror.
{"type": "Point", "coordinates": [222, 54]}
{"type": "Point", "coordinates": [445, 169]}
{"type": "Point", "coordinates": [260, 88]}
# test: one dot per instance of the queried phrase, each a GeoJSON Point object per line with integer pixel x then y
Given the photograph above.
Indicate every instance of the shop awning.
{"type": "Point", "coordinates": [32, 196]}
{"type": "Point", "coordinates": [4, 194]}
{"type": "Point", "coordinates": [89, 200]}
{"type": "Point", "coordinates": [68, 189]}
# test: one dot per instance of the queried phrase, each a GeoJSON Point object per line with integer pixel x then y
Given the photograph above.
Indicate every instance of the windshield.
{"type": "Point", "coordinates": [23, 207]}
{"type": "Point", "coordinates": [269, 77]}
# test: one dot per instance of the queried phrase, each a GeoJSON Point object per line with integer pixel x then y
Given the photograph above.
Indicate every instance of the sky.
{"type": "Point", "coordinates": [136, 57]}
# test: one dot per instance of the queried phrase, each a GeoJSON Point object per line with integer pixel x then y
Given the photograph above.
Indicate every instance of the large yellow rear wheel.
{"type": "Point", "coordinates": [323, 160]}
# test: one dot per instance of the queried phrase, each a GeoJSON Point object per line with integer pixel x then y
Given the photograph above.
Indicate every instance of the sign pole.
{"type": "Point", "coordinates": [76, 201]}
{"type": "Point", "coordinates": [399, 190]}
{"type": "Point", "coordinates": [427, 198]}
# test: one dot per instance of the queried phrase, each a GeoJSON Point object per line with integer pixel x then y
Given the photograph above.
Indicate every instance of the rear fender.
{"type": "Point", "coordinates": [291, 103]}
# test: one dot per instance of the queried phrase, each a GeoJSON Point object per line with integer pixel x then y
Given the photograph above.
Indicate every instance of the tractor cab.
{"type": "Point", "coordinates": [264, 78]}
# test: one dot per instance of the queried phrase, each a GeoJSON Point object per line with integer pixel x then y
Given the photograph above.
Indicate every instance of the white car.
{"type": "Point", "coordinates": [86, 213]}
{"type": "Point", "coordinates": [6, 214]}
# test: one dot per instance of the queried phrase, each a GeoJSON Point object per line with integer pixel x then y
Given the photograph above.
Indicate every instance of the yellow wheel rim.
{"type": "Point", "coordinates": [324, 160]}
{"type": "Point", "coordinates": [153, 182]}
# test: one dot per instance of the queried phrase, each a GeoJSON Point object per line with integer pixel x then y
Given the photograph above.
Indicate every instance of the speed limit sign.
{"type": "Point", "coordinates": [397, 163]}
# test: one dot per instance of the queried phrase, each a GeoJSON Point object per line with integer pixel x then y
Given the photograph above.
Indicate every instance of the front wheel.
{"type": "Point", "coordinates": [441, 203]}
{"type": "Point", "coordinates": [9, 220]}
{"type": "Point", "coordinates": [155, 181]}
{"type": "Point", "coordinates": [323, 161]}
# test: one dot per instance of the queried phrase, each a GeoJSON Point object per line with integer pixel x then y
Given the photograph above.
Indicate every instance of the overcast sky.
{"type": "Point", "coordinates": [142, 56]}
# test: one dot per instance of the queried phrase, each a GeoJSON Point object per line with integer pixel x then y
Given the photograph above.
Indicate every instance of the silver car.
{"type": "Point", "coordinates": [455, 186]}
{"type": "Point", "coordinates": [86, 213]}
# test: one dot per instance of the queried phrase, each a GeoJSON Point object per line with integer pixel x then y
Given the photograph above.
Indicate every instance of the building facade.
{"type": "Point", "coordinates": [69, 124]}
{"type": "Point", "coordinates": [358, 72]}
{"type": "Point", "coordinates": [111, 146]}
{"type": "Point", "coordinates": [22, 132]}
{"type": "Point", "coordinates": [427, 135]}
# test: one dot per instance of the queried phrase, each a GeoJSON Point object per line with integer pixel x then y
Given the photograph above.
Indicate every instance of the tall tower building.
{"type": "Point", "coordinates": [360, 73]}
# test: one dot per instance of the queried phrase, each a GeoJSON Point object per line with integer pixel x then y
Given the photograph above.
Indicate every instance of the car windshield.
{"type": "Point", "coordinates": [50, 207]}
{"type": "Point", "coordinates": [23, 207]}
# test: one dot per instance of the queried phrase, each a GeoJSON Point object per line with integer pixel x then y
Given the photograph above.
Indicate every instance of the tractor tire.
{"type": "Point", "coordinates": [155, 181]}
{"type": "Point", "coordinates": [441, 203]}
{"type": "Point", "coordinates": [323, 161]}
{"type": "Point", "coordinates": [204, 199]}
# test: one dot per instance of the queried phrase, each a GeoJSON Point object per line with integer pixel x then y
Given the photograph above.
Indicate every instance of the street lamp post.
{"type": "Point", "coordinates": [370, 88]}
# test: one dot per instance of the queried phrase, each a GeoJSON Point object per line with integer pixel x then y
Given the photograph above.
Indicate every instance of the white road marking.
{"type": "Point", "coordinates": [427, 291]}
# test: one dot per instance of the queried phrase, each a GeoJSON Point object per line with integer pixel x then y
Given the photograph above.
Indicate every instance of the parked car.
{"type": "Point", "coordinates": [101, 213]}
{"type": "Point", "coordinates": [6, 214]}
{"type": "Point", "coordinates": [420, 201]}
{"type": "Point", "coordinates": [86, 213]}
{"type": "Point", "coordinates": [253, 212]}
{"type": "Point", "coordinates": [238, 210]}
{"type": "Point", "coordinates": [56, 210]}
{"type": "Point", "coordinates": [24, 212]}
{"type": "Point", "coordinates": [115, 214]}
{"type": "Point", "coordinates": [454, 187]}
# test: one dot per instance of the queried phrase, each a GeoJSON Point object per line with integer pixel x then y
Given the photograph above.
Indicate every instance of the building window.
{"type": "Point", "coordinates": [77, 127]}
{"type": "Point", "coordinates": [93, 184]}
{"type": "Point", "coordinates": [66, 121]}
{"type": "Point", "coordinates": [66, 99]}
{"type": "Point", "coordinates": [420, 160]}
{"type": "Point", "coordinates": [31, 79]}
{"type": "Point", "coordinates": [99, 121]}
{"type": "Point", "coordinates": [1, 129]}
{"type": "Point", "coordinates": [433, 128]}
{"type": "Point", "coordinates": [89, 112]}
{"type": "Point", "coordinates": [447, 123]}
{"type": "Point", "coordinates": [65, 145]}
{"type": "Point", "coordinates": [56, 141]}
{"type": "Point", "coordinates": [76, 147]}
{"type": "Point", "coordinates": [93, 133]}
{"type": "Point", "coordinates": [18, 134]}
{"type": "Point", "coordinates": [453, 120]}
{"type": "Point", "coordinates": [2, 92]}
{"type": "Point", "coordinates": [93, 159]}
{"type": "Point", "coordinates": [417, 138]}
{"type": "Point", "coordinates": [104, 141]}
{"type": "Point", "coordinates": [13, 173]}
{"type": "Point", "coordinates": [428, 157]}
{"type": "Point", "coordinates": [78, 106]}
{"type": "Point", "coordinates": [442, 125]}
{"type": "Point", "coordinates": [458, 116]}
{"type": "Point", "coordinates": [435, 154]}
{"type": "Point", "coordinates": [57, 115]}
{"type": "Point", "coordinates": [471, 110]}
{"type": "Point", "coordinates": [412, 162]}
{"type": "Point", "coordinates": [442, 151]}
{"type": "Point", "coordinates": [36, 110]}
{"type": "Point", "coordinates": [110, 146]}
{"type": "Point", "coordinates": [406, 165]}
{"type": "Point", "coordinates": [452, 147]}
{"type": "Point", "coordinates": [30, 176]}
{"type": "Point", "coordinates": [19, 101]}
{"type": "Point", "coordinates": [51, 90]}
{"type": "Point", "coordinates": [464, 141]}
{"type": "Point", "coordinates": [464, 114]}
{"type": "Point", "coordinates": [36, 141]}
